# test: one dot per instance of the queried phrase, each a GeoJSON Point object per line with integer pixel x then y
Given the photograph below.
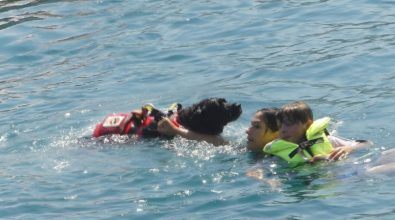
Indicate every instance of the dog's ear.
{"type": "Point", "coordinates": [221, 101]}
{"type": "Point", "coordinates": [214, 101]}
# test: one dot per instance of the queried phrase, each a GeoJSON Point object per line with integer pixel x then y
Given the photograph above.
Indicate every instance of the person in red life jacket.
{"type": "Point", "coordinates": [204, 120]}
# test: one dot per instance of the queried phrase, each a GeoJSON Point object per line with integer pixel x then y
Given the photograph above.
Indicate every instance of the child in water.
{"type": "Point", "coordinates": [297, 117]}
{"type": "Point", "coordinates": [299, 140]}
{"type": "Point", "coordinates": [263, 129]}
{"type": "Point", "coordinates": [266, 127]}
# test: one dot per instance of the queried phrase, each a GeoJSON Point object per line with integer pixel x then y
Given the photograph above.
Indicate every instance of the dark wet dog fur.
{"type": "Point", "coordinates": [209, 116]}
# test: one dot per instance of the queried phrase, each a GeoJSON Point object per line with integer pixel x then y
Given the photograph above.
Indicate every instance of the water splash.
{"type": "Point", "coordinates": [199, 149]}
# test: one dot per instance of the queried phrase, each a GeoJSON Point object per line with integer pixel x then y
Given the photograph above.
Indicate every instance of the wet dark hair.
{"type": "Point", "coordinates": [295, 112]}
{"type": "Point", "coordinates": [270, 117]}
{"type": "Point", "coordinates": [209, 116]}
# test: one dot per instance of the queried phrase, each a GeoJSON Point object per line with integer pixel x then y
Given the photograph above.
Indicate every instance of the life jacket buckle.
{"type": "Point", "coordinates": [305, 145]}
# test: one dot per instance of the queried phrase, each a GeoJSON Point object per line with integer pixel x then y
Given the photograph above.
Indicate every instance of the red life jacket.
{"type": "Point", "coordinates": [139, 123]}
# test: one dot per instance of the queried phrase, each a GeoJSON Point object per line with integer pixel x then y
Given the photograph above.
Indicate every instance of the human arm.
{"type": "Point", "coordinates": [337, 154]}
{"type": "Point", "coordinates": [339, 142]}
{"type": "Point", "coordinates": [385, 163]}
{"type": "Point", "coordinates": [342, 147]}
{"type": "Point", "coordinates": [166, 127]}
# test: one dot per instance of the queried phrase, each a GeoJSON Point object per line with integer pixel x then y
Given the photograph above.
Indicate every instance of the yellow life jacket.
{"type": "Point", "coordinates": [317, 144]}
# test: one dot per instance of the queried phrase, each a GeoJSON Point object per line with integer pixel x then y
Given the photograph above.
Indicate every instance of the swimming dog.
{"type": "Point", "coordinates": [208, 116]}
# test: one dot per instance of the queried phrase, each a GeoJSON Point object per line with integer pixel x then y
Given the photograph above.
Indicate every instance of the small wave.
{"type": "Point", "coordinates": [334, 126]}
{"type": "Point", "coordinates": [9, 5]}
{"type": "Point", "coordinates": [200, 149]}
{"type": "Point", "coordinates": [18, 19]}
{"type": "Point", "coordinates": [76, 37]}
{"type": "Point", "coordinates": [81, 138]}
{"type": "Point", "coordinates": [61, 165]}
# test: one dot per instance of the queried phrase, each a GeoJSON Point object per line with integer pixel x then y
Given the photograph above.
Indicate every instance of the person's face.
{"type": "Point", "coordinates": [293, 131]}
{"type": "Point", "coordinates": [258, 134]}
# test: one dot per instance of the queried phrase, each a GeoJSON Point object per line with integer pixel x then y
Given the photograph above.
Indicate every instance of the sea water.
{"type": "Point", "coordinates": [64, 65]}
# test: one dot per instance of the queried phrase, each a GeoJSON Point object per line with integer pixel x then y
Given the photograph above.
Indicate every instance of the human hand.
{"type": "Point", "coordinates": [256, 174]}
{"type": "Point", "coordinates": [259, 174]}
{"type": "Point", "coordinates": [339, 153]}
{"type": "Point", "coordinates": [166, 127]}
{"type": "Point", "coordinates": [319, 158]}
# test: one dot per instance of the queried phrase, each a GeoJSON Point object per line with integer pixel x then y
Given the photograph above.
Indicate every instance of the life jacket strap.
{"type": "Point", "coordinates": [145, 123]}
{"type": "Point", "coordinates": [150, 110]}
{"type": "Point", "coordinates": [306, 145]}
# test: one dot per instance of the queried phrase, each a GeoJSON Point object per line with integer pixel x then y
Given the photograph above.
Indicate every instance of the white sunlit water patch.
{"type": "Point", "coordinates": [81, 138]}
{"type": "Point", "coordinates": [202, 150]}
{"type": "Point", "coordinates": [184, 193]}
{"type": "Point", "coordinates": [71, 197]}
{"type": "Point", "coordinates": [3, 140]}
{"type": "Point", "coordinates": [66, 140]}
{"type": "Point", "coordinates": [61, 165]}
{"type": "Point", "coordinates": [154, 170]}
{"type": "Point", "coordinates": [141, 204]}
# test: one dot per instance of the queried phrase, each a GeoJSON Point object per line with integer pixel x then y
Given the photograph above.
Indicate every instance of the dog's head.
{"type": "Point", "coordinates": [209, 116]}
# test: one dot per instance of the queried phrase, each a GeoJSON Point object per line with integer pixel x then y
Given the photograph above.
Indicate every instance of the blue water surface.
{"type": "Point", "coordinates": [65, 64]}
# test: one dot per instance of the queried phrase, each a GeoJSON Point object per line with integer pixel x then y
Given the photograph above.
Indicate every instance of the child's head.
{"type": "Point", "coordinates": [295, 118]}
{"type": "Point", "coordinates": [264, 128]}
